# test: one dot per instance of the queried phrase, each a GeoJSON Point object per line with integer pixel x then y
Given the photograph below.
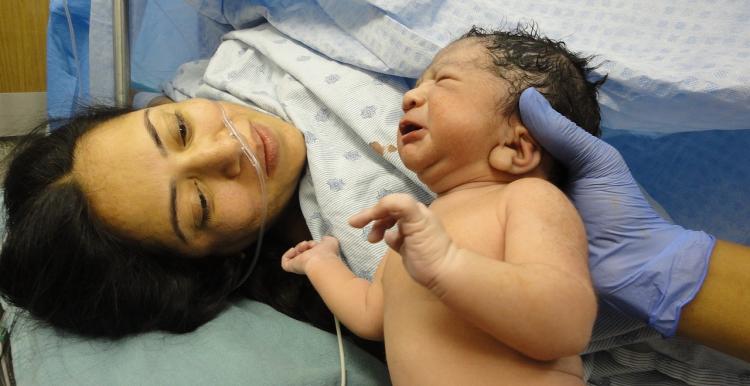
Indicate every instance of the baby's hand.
{"type": "Point", "coordinates": [420, 237]}
{"type": "Point", "coordinates": [295, 260]}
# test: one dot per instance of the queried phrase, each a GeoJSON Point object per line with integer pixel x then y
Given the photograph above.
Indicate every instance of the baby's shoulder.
{"type": "Point", "coordinates": [536, 192]}
{"type": "Point", "coordinates": [532, 185]}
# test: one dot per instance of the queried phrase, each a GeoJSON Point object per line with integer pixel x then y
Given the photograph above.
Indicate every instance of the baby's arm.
{"type": "Point", "coordinates": [539, 300]}
{"type": "Point", "coordinates": [355, 301]}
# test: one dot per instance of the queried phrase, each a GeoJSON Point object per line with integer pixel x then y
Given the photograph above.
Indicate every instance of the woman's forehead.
{"type": "Point", "coordinates": [117, 166]}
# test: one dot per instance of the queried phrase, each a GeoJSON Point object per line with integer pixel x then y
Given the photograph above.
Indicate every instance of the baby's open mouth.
{"type": "Point", "coordinates": [408, 127]}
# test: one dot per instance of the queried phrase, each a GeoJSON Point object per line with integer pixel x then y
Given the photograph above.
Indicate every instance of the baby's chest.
{"type": "Point", "coordinates": [479, 228]}
{"type": "Point", "coordinates": [473, 228]}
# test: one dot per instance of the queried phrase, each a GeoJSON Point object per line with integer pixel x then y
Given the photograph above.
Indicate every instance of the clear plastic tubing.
{"type": "Point", "coordinates": [247, 151]}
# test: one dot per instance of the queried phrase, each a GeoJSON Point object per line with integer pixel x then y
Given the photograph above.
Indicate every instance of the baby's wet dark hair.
{"type": "Point", "coordinates": [524, 58]}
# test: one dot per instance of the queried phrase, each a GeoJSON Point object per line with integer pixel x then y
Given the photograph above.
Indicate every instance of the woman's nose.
{"type": "Point", "coordinates": [413, 98]}
{"type": "Point", "coordinates": [221, 155]}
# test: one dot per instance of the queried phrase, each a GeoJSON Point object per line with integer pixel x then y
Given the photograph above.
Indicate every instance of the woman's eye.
{"type": "Point", "coordinates": [203, 215]}
{"type": "Point", "coordinates": [182, 129]}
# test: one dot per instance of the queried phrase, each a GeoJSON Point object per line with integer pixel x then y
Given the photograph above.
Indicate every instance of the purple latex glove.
{"type": "Point", "coordinates": [640, 263]}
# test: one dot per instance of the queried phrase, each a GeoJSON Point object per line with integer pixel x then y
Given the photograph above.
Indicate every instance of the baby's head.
{"type": "Point", "coordinates": [467, 99]}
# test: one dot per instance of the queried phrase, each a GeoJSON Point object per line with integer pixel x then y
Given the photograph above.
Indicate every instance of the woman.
{"type": "Point", "coordinates": [151, 212]}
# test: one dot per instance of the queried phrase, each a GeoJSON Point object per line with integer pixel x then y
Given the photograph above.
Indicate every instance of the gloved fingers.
{"type": "Point", "coordinates": [561, 137]}
{"type": "Point", "coordinates": [582, 153]}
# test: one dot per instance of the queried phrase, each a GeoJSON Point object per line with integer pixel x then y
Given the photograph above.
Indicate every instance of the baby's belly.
{"type": "Point", "coordinates": [426, 344]}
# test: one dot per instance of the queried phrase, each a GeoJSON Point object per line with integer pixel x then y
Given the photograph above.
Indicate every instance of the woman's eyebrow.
{"type": "Point", "coordinates": [152, 133]}
{"type": "Point", "coordinates": [172, 186]}
{"type": "Point", "coordinates": [173, 212]}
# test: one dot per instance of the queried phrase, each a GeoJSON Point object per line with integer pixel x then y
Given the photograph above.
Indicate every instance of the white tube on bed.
{"type": "Point", "coordinates": [121, 51]}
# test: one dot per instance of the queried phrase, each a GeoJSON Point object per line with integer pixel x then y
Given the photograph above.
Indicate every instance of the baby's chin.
{"type": "Point", "coordinates": [411, 162]}
{"type": "Point", "coordinates": [420, 166]}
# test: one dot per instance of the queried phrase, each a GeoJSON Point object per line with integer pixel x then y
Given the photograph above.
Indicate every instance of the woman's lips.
{"type": "Point", "coordinates": [268, 145]}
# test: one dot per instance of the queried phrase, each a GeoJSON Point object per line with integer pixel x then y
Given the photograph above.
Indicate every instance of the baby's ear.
{"type": "Point", "coordinates": [516, 151]}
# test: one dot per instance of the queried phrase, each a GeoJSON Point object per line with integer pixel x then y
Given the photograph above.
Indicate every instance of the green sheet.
{"type": "Point", "coordinates": [249, 344]}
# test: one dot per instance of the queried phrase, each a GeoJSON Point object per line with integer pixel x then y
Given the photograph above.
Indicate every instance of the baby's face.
{"type": "Point", "coordinates": [452, 118]}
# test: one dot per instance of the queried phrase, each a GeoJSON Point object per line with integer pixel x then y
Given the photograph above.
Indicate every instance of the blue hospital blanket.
{"type": "Point", "coordinates": [672, 66]}
{"type": "Point", "coordinates": [341, 110]}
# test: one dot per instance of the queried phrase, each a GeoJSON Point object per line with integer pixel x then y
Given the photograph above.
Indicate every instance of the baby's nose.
{"type": "Point", "coordinates": [412, 98]}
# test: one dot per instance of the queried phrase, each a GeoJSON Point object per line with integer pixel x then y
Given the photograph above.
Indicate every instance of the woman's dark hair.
{"type": "Point", "coordinates": [524, 59]}
{"type": "Point", "coordinates": [69, 270]}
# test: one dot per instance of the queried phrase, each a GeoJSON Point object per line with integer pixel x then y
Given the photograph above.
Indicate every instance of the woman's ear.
{"type": "Point", "coordinates": [516, 151]}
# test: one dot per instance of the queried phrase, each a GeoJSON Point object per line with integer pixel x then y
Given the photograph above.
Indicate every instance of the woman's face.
{"type": "Point", "coordinates": [172, 176]}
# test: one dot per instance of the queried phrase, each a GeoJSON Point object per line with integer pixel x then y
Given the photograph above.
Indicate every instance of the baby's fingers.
{"type": "Point", "coordinates": [330, 243]}
{"type": "Point", "coordinates": [379, 227]}
{"type": "Point", "coordinates": [363, 217]}
{"type": "Point", "coordinates": [397, 205]}
{"type": "Point", "coordinates": [305, 245]}
{"type": "Point", "coordinates": [296, 250]}
{"type": "Point", "coordinates": [286, 259]}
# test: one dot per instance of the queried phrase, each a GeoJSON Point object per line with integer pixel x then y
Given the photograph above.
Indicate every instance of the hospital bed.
{"type": "Point", "coordinates": [676, 105]}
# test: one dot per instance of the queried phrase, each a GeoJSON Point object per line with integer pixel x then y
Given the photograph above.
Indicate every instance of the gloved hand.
{"type": "Point", "coordinates": [640, 263]}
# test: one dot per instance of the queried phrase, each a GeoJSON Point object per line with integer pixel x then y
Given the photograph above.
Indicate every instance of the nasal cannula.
{"type": "Point", "coordinates": [250, 155]}
{"type": "Point", "coordinates": [248, 152]}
